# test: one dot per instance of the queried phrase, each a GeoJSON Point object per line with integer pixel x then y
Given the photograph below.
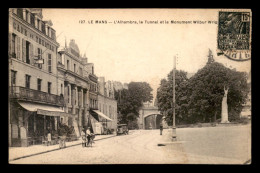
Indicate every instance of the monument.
{"type": "Point", "coordinates": [224, 111]}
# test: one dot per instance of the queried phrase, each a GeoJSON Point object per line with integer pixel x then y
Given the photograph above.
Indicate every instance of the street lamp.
{"type": "Point", "coordinates": [174, 136]}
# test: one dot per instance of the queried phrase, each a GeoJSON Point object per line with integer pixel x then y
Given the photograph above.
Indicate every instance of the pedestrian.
{"type": "Point", "coordinates": [161, 129]}
{"type": "Point", "coordinates": [49, 138]}
{"type": "Point", "coordinates": [83, 137]}
{"type": "Point", "coordinates": [88, 133]}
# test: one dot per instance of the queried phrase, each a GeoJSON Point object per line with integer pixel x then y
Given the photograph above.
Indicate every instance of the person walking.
{"type": "Point", "coordinates": [49, 138]}
{"type": "Point", "coordinates": [88, 133]}
{"type": "Point", "coordinates": [161, 129]}
{"type": "Point", "coordinates": [83, 137]}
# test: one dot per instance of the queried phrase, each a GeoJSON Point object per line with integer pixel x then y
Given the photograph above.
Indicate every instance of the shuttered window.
{"type": "Point", "coordinates": [18, 47]}
{"type": "Point", "coordinates": [39, 56]}
{"type": "Point", "coordinates": [13, 78]}
{"type": "Point", "coordinates": [39, 84]}
{"type": "Point", "coordinates": [13, 46]}
{"type": "Point", "coordinates": [31, 53]}
{"type": "Point", "coordinates": [49, 87]}
{"type": "Point", "coordinates": [27, 81]}
{"type": "Point", "coordinates": [49, 63]}
{"type": "Point", "coordinates": [27, 52]}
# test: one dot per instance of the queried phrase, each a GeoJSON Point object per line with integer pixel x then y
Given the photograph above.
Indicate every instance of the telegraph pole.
{"type": "Point", "coordinates": [174, 136]}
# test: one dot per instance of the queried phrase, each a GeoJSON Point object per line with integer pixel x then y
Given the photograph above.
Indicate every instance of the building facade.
{"type": "Point", "coordinates": [35, 103]}
{"type": "Point", "coordinates": [107, 103]}
{"type": "Point", "coordinates": [76, 84]}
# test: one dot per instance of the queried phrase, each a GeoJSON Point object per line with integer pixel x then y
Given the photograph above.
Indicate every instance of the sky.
{"type": "Point", "coordinates": [141, 52]}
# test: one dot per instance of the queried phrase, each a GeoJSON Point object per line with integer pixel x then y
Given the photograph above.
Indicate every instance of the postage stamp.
{"type": "Point", "coordinates": [234, 35]}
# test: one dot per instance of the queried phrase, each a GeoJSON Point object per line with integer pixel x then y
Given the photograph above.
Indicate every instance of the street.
{"type": "Point", "coordinates": [211, 145]}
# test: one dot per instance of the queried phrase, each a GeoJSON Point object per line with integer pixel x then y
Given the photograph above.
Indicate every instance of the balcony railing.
{"type": "Point", "coordinates": [35, 95]}
{"type": "Point", "coordinates": [93, 107]}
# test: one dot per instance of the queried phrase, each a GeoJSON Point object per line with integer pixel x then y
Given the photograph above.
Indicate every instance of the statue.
{"type": "Point", "coordinates": [224, 111]}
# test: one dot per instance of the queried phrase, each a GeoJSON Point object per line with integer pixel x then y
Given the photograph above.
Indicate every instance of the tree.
{"type": "Point", "coordinates": [165, 96]}
{"type": "Point", "coordinates": [199, 98]}
{"type": "Point", "coordinates": [206, 90]}
{"type": "Point", "coordinates": [131, 100]}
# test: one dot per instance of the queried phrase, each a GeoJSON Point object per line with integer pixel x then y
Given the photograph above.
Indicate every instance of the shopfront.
{"type": "Point", "coordinates": [30, 122]}
{"type": "Point", "coordinates": [99, 121]}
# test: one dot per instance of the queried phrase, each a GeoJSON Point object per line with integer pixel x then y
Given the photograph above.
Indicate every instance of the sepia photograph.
{"type": "Point", "coordinates": [129, 86]}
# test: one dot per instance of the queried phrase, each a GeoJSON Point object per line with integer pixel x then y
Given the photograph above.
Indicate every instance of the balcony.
{"type": "Point", "coordinates": [93, 107]}
{"type": "Point", "coordinates": [23, 93]}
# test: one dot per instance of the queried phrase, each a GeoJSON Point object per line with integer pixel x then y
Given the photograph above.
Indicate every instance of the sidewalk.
{"type": "Point", "coordinates": [22, 152]}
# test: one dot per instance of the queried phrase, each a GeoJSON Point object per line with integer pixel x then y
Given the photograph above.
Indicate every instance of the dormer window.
{"type": "Point", "coordinates": [38, 24]}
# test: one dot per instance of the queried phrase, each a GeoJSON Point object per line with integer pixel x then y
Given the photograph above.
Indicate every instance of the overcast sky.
{"type": "Point", "coordinates": [140, 52]}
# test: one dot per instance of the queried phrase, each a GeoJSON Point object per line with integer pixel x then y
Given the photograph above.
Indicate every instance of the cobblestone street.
{"type": "Point", "coordinates": [212, 145]}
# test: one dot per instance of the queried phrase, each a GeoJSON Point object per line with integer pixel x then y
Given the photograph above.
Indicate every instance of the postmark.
{"type": "Point", "coordinates": [234, 35]}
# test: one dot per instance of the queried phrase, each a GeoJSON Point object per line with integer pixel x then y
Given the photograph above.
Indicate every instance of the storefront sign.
{"type": "Point", "coordinates": [50, 113]}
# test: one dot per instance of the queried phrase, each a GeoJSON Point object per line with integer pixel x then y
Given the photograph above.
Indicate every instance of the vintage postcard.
{"type": "Point", "coordinates": [129, 86]}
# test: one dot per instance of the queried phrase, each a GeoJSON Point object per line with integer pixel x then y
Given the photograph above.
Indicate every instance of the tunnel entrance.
{"type": "Point", "coordinates": [153, 121]}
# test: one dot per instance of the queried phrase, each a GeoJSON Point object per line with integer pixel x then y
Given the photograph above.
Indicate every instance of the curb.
{"type": "Point", "coordinates": [55, 149]}
{"type": "Point", "coordinates": [170, 143]}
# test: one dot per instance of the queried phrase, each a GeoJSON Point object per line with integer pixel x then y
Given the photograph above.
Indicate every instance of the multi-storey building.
{"type": "Point", "coordinates": [107, 104]}
{"type": "Point", "coordinates": [35, 104]}
{"type": "Point", "coordinates": [80, 86]}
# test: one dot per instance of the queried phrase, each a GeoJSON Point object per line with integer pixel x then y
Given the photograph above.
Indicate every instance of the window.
{"type": "Point", "coordinates": [38, 23]}
{"type": "Point", "coordinates": [32, 19]}
{"type": "Point", "coordinates": [78, 98]}
{"type": "Point", "coordinates": [27, 52]}
{"type": "Point", "coordinates": [52, 34]}
{"type": "Point", "coordinates": [20, 12]}
{"type": "Point", "coordinates": [26, 15]}
{"type": "Point", "coordinates": [49, 63]}
{"type": "Point", "coordinates": [13, 78]}
{"type": "Point", "coordinates": [39, 57]}
{"type": "Point", "coordinates": [80, 71]}
{"type": "Point", "coordinates": [14, 24]}
{"type": "Point", "coordinates": [61, 89]}
{"type": "Point", "coordinates": [92, 70]}
{"type": "Point", "coordinates": [68, 94]}
{"type": "Point", "coordinates": [43, 28]}
{"type": "Point", "coordinates": [49, 87]}
{"type": "Point", "coordinates": [48, 31]}
{"type": "Point", "coordinates": [18, 47]}
{"type": "Point", "coordinates": [74, 68]}
{"type": "Point", "coordinates": [68, 65]}
{"type": "Point", "coordinates": [39, 84]}
{"type": "Point", "coordinates": [13, 46]}
{"type": "Point", "coordinates": [27, 81]}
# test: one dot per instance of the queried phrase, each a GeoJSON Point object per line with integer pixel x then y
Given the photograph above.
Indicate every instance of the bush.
{"type": "Point", "coordinates": [199, 124]}
{"type": "Point", "coordinates": [243, 120]}
{"type": "Point", "coordinates": [65, 130]}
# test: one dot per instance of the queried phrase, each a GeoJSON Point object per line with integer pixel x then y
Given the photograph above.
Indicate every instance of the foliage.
{"type": "Point", "coordinates": [165, 96]}
{"type": "Point", "coordinates": [131, 100]}
{"type": "Point", "coordinates": [199, 99]}
{"type": "Point", "coordinates": [65, 130]}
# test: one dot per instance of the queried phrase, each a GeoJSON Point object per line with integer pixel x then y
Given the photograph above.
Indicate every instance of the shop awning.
{"type": "Point", "coordinates": [42, 109]}
{"type": "Point", "coordinates": [102, 115]}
